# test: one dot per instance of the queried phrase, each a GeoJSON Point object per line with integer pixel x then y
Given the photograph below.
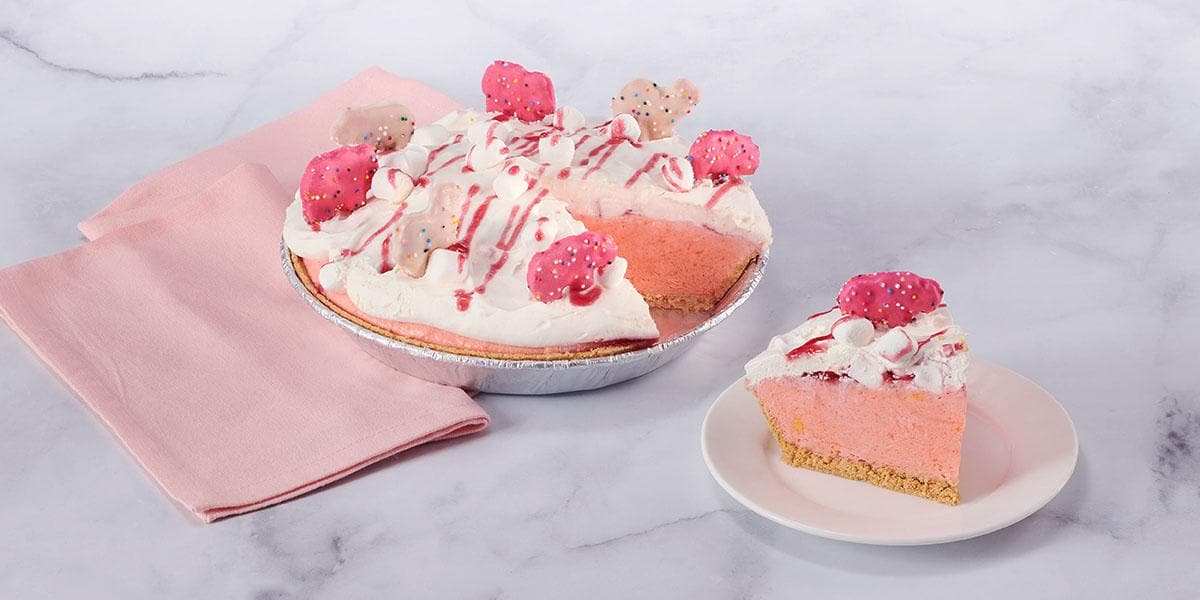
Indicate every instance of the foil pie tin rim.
{"type": "Point", "coordinates": [758, 266]}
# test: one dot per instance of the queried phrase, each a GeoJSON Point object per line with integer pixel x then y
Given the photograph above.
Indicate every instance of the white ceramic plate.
{"type": "Point", "coordinates": [1019, 449]}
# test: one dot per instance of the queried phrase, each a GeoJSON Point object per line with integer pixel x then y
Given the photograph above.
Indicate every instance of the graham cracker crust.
{"type": "Point", "coordinates": [532, 354]}
{"type": "Point", "coordinates": [681, 302]}
{"type": "Point", "coordinates": [696, 303]}
{"type": "Point", "coordinates": [938, 490]}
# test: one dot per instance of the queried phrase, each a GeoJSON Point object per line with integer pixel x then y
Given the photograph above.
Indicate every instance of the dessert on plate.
{"type": "Point", "coordinates": [525, 230]}
{"type": "Point", "coordinates": [873, 389]}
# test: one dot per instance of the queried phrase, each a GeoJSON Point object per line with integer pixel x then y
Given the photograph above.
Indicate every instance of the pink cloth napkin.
{"type": "Point", "coordinates": [178, 328]}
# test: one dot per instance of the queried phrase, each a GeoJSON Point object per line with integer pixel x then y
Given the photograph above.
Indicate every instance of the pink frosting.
{"type": "Point", "coordinates": [510, 89]}
{"type": "Point", "coordinates": [891, 298]}
{"type": "Point", "coordinates": [720, 155]}
{"type": "Point", "coordinates": [336, 182]}
{"type": "Point", "coordinates": [571, 265]}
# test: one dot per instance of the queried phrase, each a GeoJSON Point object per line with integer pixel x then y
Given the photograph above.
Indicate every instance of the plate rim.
{"type": "Point", "coordinates": [790, 523]}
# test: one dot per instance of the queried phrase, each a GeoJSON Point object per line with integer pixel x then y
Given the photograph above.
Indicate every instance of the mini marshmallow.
{"type": "Point", "coordinates": [413, 159]}
{"type": "Point", "coordinates": [443, 267]}
{"type": "Point", "coordinates": [485, 131]}
{"type": "Point", "coordinates": [430, 135]}
{"type": "Point", "coordinates": [549, 232]}
{"type": "Point", "coordinates": [624, 127]}
{"type": "Point", "coordinates": [419, 201]}
{"type": "Point", "coordinates": [865, 372]}
{"type": "Point", "coordinates": [856, 331]}
{"type": "Point", "coordinates": [423, 231]}
{"type": "Point", "coordinates": [568, 118]}
{"type": "Point", "coordinates": [482, 157]}
{"type": "Point", "coordinates": [895, 345]}
{"type": "Point", "coordinates": [556, 150]}
{"type": "Point", "coordinates": [676, 175]}
{"type": "Point", "coordinates": [614, 273]}
{"type": "Point", "coordinates": [332, 277]}
{"type": "Point", "coordinates": [511, 183]}
{"type": "Point", "coordinates": [392, 185]}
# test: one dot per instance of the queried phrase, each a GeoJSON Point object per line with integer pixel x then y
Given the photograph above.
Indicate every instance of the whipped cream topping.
{"type": "Point", "coordinates": [930, 351]}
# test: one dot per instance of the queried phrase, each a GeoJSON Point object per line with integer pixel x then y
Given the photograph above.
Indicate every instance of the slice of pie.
{"type": "Point", "coordinates": [873, 389]}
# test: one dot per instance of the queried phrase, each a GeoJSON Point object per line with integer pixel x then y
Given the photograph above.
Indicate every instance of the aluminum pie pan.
{"type": "Point", "coordinates": [527, 377]}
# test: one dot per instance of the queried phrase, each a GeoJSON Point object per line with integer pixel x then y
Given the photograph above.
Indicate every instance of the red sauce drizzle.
{"type": "Point", "coordinates": [617, 129]}
{"type": "Point", "coordinates": [584, 298]}
{"type": "Point", "coordinates": [825, 375]}
{"type": "Point", "coordinates": [433, 153]}
{"type": "Point", "coordinates": [564, 173]}
{"type": "Point", "coordinates": [424, 181]}
{"type": "Point", "coordinates": [813, 316]}
{"type": "Point", "coordinates": [528, 144]}
{"type": "Point", "coordinates": [466, 205]}
{"type": "Point", "coordinates": [612, 147]}
{"type": "Point", "coordinates": [597, 150]}
{"type": "Point", "coordinates": [512, 229]}
{"type": "Point", "coordinates": [463, 299]}
{"type": "Point", "coordinates": [812, 346]}
{"type": "Point", "coordinates": [657, 156]}
{"type": "Point", "coordinates": [678, 172]}
{"type": "Point", "coordinates": [463, 245]}
{"type": "Point", "coordinates": [491, 133]}
{"type": "Point", "coordinates": [926, 340]}
{"type": "Point", "coordinates": [721, 190]}
{"type": "Point", "coordinates": [385, 262]}
{"type": "Point", "coordinates": [386, 242]}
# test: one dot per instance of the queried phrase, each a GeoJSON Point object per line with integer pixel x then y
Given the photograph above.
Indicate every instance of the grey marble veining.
{"type": "Point", "coordinates": [1041, 159]}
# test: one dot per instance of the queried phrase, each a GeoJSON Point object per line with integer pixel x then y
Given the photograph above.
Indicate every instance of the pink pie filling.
{"type": "Point", "coordinates": [676, 260]}
{"type": "Point", "coordinates": [913, 431]}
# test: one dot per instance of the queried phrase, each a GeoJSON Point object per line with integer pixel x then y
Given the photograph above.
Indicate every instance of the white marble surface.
{"type": "Point", "coordinates": [1040, 159]}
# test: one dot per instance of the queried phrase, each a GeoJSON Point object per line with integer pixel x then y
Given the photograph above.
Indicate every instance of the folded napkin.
{"type": "Point", "coordinates": [178, 328]}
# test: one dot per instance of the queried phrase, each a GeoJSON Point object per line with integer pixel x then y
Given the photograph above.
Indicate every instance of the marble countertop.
{"type": "Point", "coordinates": [1040, 159]}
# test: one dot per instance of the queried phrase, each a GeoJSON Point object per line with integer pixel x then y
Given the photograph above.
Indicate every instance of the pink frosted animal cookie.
{"type": "Point", "coordinates": [893, 298]}
{"type": "Point", "coordinates": [571, 266]}
{"type": "Point", "coordinates": [510, 89]}
{"type": "Point", "coordinates": [422, 233]}
{"type": "Point", "coordinates": [723, 154]}
{"type": "Point", "coordinates": [386, 126]}
{"type": "Point", "coordinates": [336, 182]}
{"type": "Point", "coordinates": [657, 110]}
